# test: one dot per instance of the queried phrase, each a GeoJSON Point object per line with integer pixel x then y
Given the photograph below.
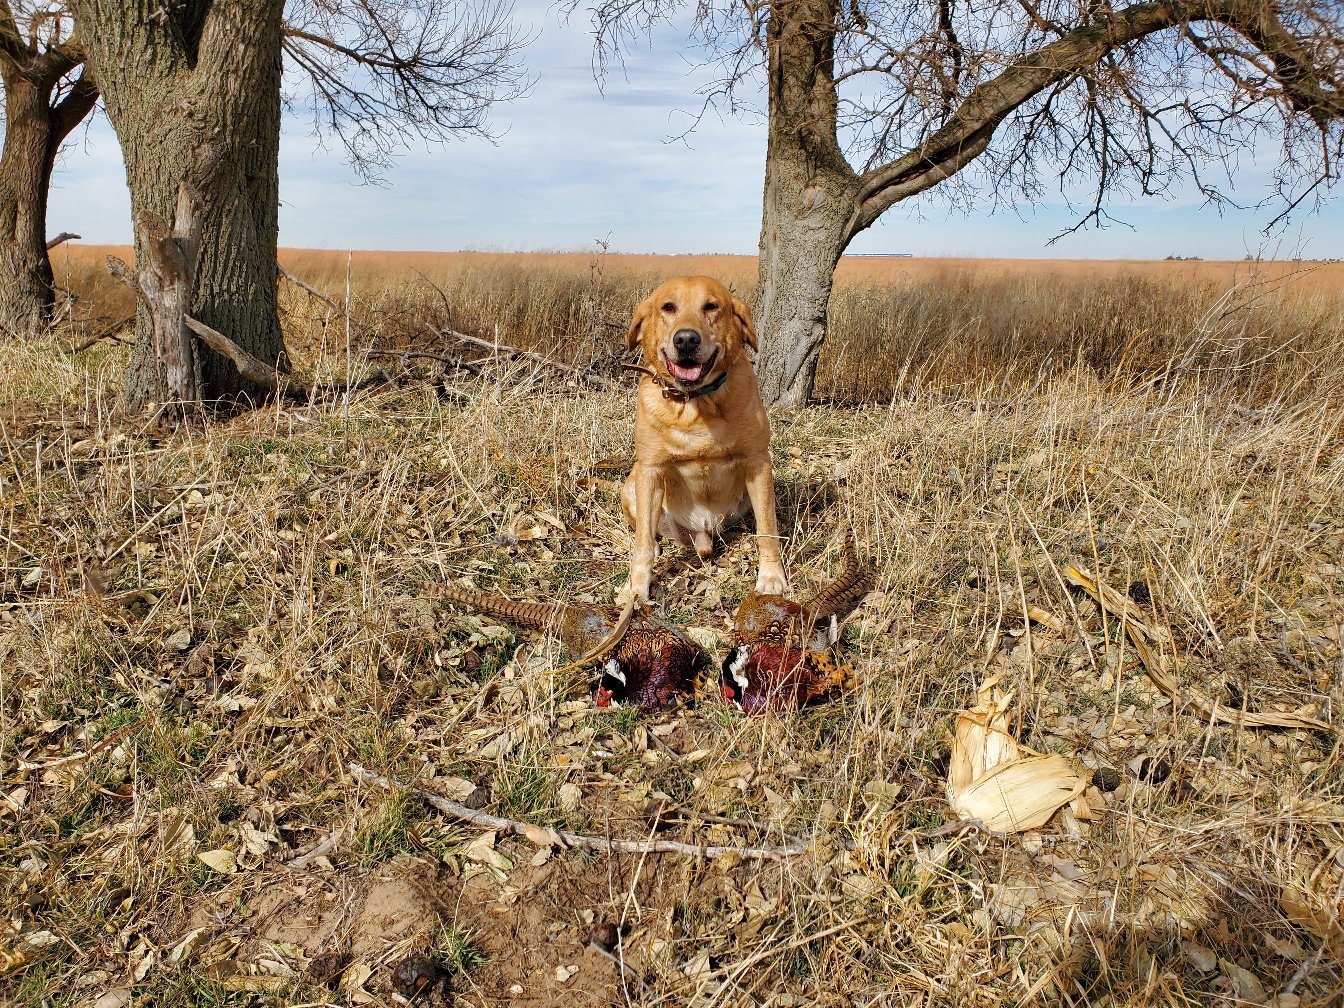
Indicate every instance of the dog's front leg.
{"type": "Point", "coordinates": [770, 577]}
{"type": "Point", "coordinates": [644, 551]}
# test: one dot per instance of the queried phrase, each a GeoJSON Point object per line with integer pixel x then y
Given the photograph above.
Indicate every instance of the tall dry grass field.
{"type": "Point", "coordinates": [203, 629]}
{"type": "Point", "coordinates": [1263, 327]}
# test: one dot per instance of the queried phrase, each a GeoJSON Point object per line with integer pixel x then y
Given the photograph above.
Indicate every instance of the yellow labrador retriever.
{"type": "Point", "coordinates": [702, 441]}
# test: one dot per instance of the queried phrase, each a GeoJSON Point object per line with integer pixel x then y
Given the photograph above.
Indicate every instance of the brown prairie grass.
{"type": "Point", "coordinates": [200, 629]}
{"type": "Point", "coordinates": [1262, 328]}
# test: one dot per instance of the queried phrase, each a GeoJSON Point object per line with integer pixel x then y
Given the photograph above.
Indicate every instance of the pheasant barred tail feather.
{"type": "Point", "coordinates": [845, 592]}
{"type": "Point", "coordinates": [536, 616]}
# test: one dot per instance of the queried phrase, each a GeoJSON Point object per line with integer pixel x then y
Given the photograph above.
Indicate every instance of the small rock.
{"type": "Point", "coordinates": [563, 973]}
{"type": "Point", "coordinates": [179, 641]}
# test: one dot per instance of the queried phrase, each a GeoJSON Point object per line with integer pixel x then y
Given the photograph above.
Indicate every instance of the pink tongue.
{"type": "Point", "coordinates": [685, 373]}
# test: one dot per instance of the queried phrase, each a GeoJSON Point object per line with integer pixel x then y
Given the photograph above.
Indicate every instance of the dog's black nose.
{"type": "Point", "coordinates": [686, 341]}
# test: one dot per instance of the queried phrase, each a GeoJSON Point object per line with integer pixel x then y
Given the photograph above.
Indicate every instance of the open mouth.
{"type": "Point", "coordinates": [691, 373]}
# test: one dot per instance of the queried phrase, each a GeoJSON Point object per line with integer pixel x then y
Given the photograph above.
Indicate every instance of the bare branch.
{"type": "Point", "coordinates": [968, 132]}
{"type": "Point", "coordinates": [379, 74]}
{"type": "Point", "coordinates": [546, 836]}
{"type": "Point", "coordinates": [254, 370]}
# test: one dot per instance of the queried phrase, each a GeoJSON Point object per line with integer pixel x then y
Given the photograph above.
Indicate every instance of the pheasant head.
{"type": "Point", "coordinates": [651, 665]}
{"type": "Point", "coordinates": [783, 652]}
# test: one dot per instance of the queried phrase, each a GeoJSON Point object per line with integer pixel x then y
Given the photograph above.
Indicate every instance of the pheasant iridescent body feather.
{"type": "Point", "coordinates": [783, 653]}
{"type": "Point", "coordinates": [651, 666]}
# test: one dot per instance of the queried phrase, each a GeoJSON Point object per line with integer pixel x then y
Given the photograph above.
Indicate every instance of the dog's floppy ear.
{"type": "Point", "coordinates": [637, 320]}
{"type": "Point", "coordinates": [743, 314]}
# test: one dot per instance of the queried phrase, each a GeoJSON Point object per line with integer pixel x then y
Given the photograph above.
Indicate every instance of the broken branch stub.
{"type": "Point", "coordinates": [166, 279]}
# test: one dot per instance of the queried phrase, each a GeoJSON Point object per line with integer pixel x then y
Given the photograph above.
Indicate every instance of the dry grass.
{"type": "Point", "coordinates": [200, 629]}
{"type": "Point", "coordinates": [1264, 328]}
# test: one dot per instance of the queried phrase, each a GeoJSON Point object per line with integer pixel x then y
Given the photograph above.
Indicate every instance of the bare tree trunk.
{"type": "Point", "coordinates": [804, 230]}
{"type": "Point", "coordinates": [810, 200]}
{"type": "Point", "coordinates": [194, 95]}
{"type": "Point", "coordinates": [34, 130]}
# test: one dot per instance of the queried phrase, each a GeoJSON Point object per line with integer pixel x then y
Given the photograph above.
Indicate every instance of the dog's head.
{"type": "Point", "coordinates": [691, 329]}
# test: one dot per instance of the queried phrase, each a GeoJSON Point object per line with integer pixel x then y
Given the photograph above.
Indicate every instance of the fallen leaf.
{"type": "Point", "coordinates": [223, 861]}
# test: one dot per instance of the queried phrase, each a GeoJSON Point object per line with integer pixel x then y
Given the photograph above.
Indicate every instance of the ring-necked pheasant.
{"type": "Point", "coordinates": [651, 664]}
{"type": "Point", "coordinates": [783, 653]}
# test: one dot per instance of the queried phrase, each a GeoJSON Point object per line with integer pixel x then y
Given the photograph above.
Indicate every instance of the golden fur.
{"type": "Point", "coordinates": [700, 459]}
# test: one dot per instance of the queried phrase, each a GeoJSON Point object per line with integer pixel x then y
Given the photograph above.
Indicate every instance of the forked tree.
{"type": "Point", "coordinates": [46, 95]}
{"type": "Point", "coordinates": [194, 91]}
{"type": "Point", "coordinates": [871, 102]}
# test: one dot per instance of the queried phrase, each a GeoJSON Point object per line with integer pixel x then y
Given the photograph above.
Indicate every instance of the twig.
{"type": "Point", "coordinates": [620, 964]}
{"type": "Point", "coordinates": [79, 757]}
{"type": "Point", "coordinates": [109, 331]}
{"type": "Point", "coordinates": [523, 354]}
{"type": "Point", "coordinates": [1140, 634]}
{"type": "Point", "coordinates": [562, 838]}
{"type": "Point", "coordinates": [64, 236]}
{"type": "Point", "coordinates": [451, 361]}
{"type": "Point", "coordinates": [310, 289]}
{"type": "Point", "coordinates": [324, 846]}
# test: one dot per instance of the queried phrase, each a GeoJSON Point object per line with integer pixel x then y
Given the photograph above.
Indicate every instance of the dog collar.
{"type": "Point", "coordinates": [674, 393]}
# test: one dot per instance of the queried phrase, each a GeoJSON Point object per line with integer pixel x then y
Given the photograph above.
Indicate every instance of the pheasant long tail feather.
{"type": "Point", "coordinates": [534, 615]}
{"type": "Point", "coordinates": [845, 591]}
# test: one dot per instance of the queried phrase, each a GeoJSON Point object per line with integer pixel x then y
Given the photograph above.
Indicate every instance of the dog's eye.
{"type": "Point", "coordinates": [669, 307]}
{"type": "Point", "coordinates": [711, 306]}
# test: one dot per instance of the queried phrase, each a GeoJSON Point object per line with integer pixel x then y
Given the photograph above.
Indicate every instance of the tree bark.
{"type": "Point", "coordinates": [809, 204]}
{"type": "Point", "coordinates": [193, 93]}
{"type": "Point", "coordinates": [34, 131]}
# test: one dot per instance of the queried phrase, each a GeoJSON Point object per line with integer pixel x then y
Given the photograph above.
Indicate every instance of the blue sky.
{"type": "Point", "coordinates": [574, 164]}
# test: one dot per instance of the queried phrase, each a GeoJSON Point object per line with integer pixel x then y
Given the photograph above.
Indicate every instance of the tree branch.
{"type": "Point", "coordinates": [543, 836]}
{"type": "Point", "coordinates": [254, 370]}
{"type": "Point", "coordinates": [70, 111]}
{"type": "Point", "coordinates": [11, 42]}
{"type": "Point", "coordinates": [967, 133]}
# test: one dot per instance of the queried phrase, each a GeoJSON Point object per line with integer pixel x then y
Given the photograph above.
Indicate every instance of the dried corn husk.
{"type": "Point", "coordinates": [1021, 794]}
{"type": "Point", "coordinates": [990, 779]}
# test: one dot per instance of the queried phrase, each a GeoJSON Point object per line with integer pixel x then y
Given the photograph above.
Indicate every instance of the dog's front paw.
{"type": "Point", "coordinates": [639, 594]}
{"type": "Point", "coordinates": [772, 583]}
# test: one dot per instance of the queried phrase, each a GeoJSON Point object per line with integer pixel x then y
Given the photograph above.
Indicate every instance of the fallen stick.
{"type": "Point", "coordinates": [248, 366]}
{"type": "Point", "coordinates": [417, 354]}
{"type": "Point", "coordinates": [109, 331]}
{"type": "Point", "coordinates": [323, 847]}
{"type": "Point", "coordinates": [543, 836]}
{"type": "Point", "coordinates": [1140, 635]}
{"type": "Point", "coordinates": [510, 351]}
